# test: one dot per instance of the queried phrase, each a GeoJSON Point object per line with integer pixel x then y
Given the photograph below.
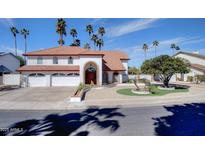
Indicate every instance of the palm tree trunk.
{"type": "Point", "coordinates": [145, 55]}
{"type": "Point", "coordinates": [15, 46]}
{"type": "Point", "coordinates": [155, 51]}
{"type": "Point", "coordinates": [25, 45]}
{"type": "Point", "coordinates": [61, 39]}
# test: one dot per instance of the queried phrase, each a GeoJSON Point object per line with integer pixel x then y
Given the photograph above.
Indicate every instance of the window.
{"type": "Point", "coordinates": [59, 74]}
{"type": "Point", "coordinates": [70, 60]}
{"type": "Point", "coordinates": [39, 60]}
{"type": "Point", "coordinates": [36, 75]}
{"type": "Point", "coordinates": [55, 60]}
{"type": "Point", "coordinates": [76, 74]}
{"type": "Point", "coordinates": [73, 74]}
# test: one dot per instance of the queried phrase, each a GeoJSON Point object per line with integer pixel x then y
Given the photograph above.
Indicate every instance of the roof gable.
{"type": "Point", "coordinates": [191, 54]}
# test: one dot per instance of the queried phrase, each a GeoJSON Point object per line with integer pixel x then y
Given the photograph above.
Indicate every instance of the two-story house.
{"type": "Point", "coordinates": [69, 66]}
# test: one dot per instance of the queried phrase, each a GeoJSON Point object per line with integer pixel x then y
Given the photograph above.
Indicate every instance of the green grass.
{"type": "Point", "coordinates": [154, 89]}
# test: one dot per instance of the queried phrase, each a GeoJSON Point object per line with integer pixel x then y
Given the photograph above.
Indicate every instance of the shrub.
{"type": "Point", "coordinates": [200, 78]}
{"type": "Point", "coordinates": [130, 81]}
{"type": "Point", "coordinates": [190, 79]}
{"type": "Point", "coordinates": [152, 89]}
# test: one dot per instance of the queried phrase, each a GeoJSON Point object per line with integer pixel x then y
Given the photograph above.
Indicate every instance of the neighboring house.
{"type": "Point", "coordinates": [8, 64]}
{"type": "Point", "coordinates": [197, 67]}
{"type": "Point", "coordinates": [69, 66]}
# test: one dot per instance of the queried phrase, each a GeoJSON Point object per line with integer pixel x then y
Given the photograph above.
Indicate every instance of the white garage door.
{"type": "Point", "coordinates": [37, 80]}
{"type": "Point", "coordinates": [71, 79]}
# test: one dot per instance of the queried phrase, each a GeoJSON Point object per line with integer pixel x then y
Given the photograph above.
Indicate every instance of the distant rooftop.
{"type": "Point", "coordinates": [194, 54]}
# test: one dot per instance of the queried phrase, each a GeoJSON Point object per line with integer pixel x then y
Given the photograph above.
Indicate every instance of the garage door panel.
{"type": "Point", "coordinates": [37, 82]}
{"type": "Point", "coordinates": [65, 81]}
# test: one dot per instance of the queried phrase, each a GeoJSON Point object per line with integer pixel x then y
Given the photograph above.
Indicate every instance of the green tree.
{"type": "Point", "coordinates": [94, 38]}
{"type": "Point", "coordinates": [61, 30]}
{"type": "Point", "coordinates": [155, 44]}
{"type": "Point", "coordinates": [133, 71]}
{"type": "Point", "coordinates": [22, 61]}
{"type": "Point", "coordinates": [25, 33]}
{"type": "Point", "coordinates": [99, 43]}
{"type": "Point", "coordinates": [165, 67]}
{"type": "Point", "coordinates": [145, 48]}
{"type": "Point", "coordinates": [173, 47]}
{"type": "Point", "coordinates": [14, 32]}
{"type": "Point", "coordinates": [86, 46]}
{"type": "Point", "coordinates": [73, 33]}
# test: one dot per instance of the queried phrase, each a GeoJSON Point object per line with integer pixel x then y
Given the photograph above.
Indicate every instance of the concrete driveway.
{"type": "Point", "coordinates": [36, 98]}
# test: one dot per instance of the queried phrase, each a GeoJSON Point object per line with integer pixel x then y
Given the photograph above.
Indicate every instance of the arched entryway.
{"type": "Point", "coordinates": [91, 73]}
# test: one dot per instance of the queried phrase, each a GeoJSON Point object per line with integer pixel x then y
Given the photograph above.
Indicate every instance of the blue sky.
{"type": "Point", "coordinates": [126, 35]}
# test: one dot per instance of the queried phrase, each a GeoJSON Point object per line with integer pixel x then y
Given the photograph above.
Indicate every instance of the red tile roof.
{"type": "Point", "coordinates": [63, 51]}
{"type": "Point", "coordinates": [111, 59]}
{"type": "Point", "coordinates": [48, 68]}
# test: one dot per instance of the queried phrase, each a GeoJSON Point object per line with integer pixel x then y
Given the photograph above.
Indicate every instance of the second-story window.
{"type": "Point", "coordinates": [39, 60]}
{"type": "Point", "coordinates": [70, 60]}
{"type": "Point", "coordinates": [55, 60]}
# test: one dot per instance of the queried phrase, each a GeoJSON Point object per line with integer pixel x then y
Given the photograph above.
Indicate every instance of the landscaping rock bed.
{"type": "Point", "coordinates": [166, 88]}
{"type": "Point", "coordinates": [140, 92]}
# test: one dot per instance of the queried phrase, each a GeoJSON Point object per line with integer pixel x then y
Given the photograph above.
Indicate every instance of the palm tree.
{"type": "Point", "coordinates": [94, 38]}
{"type": "Point", "coordinates": [101, 31]}
{"type": "Point", "coordinates": [177, 48]}
{"type": "Point", "coordinates": [100, 43]}
{"type": "Point", "coordinates": [61, 30]}
{"type": "Point", "coordinates": [89, 29]}
{"type": "Point", "coordinates": [145, 48]}
{"type": "Point", "coordinates": [76, 42]}
{"type": "Point", "coordinates": [73, 33]}
{"type": "Point", "coordinates": [155, 44]}
{"type": "Point", "coordinates": [25, 33]}
{"type": "Point", "coordinates": [14, 32]}
{"type": "Point", "coordinates": [173, 47]}
{"type": "Point", "coordinates": [86, 46]}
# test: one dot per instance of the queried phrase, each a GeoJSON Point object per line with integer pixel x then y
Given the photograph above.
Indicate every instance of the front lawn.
{"type": "Point", "coordinates": [155, 91]}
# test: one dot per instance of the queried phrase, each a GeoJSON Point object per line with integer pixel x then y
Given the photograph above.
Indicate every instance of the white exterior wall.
{"type": "Point", "coordinates": [191, 59]}
{"type": "Point", "coordinates": [10, 62]}
{"type": "Point", "coordinates": [110, 77]}
{"type": "Point", "coordinates": [86, 59]}
{"type": "Point", "coordinates": [62, 60]}
{"type": "Point", "coordinates": [125, 64]}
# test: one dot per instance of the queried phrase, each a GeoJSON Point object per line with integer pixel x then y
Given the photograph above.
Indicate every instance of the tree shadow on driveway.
{"type": "Point", "coordinates": [187, 120]}
{"type": "Point", "coordinates": [69, 124]}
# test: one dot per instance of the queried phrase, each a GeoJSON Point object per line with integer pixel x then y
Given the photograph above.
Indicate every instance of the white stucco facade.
{"type": "Point", "coordinates": [83, 60]}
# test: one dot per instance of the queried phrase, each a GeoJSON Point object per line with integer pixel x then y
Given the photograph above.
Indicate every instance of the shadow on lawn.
{"type": "Point", "coordinates": [68, 124]}
{"type": "Point", "coordinates": [187, 120]}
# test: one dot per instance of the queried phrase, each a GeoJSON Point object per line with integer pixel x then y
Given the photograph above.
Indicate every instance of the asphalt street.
{"type": "Point", "coordinates": [186, 119]}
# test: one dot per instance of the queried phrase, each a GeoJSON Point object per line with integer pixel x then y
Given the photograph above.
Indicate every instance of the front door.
{"type": "Point", "coordinates": [90, 75]}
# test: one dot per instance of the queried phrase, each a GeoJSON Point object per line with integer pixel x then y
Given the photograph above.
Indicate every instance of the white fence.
{"type": "Point", "coordinates": [11, 79]}
{"type": "Point", "coordinates": [141, 76]}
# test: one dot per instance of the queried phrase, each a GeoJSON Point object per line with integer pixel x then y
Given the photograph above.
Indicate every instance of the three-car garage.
{"type": "Point", "coordinates": [53, 80]}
